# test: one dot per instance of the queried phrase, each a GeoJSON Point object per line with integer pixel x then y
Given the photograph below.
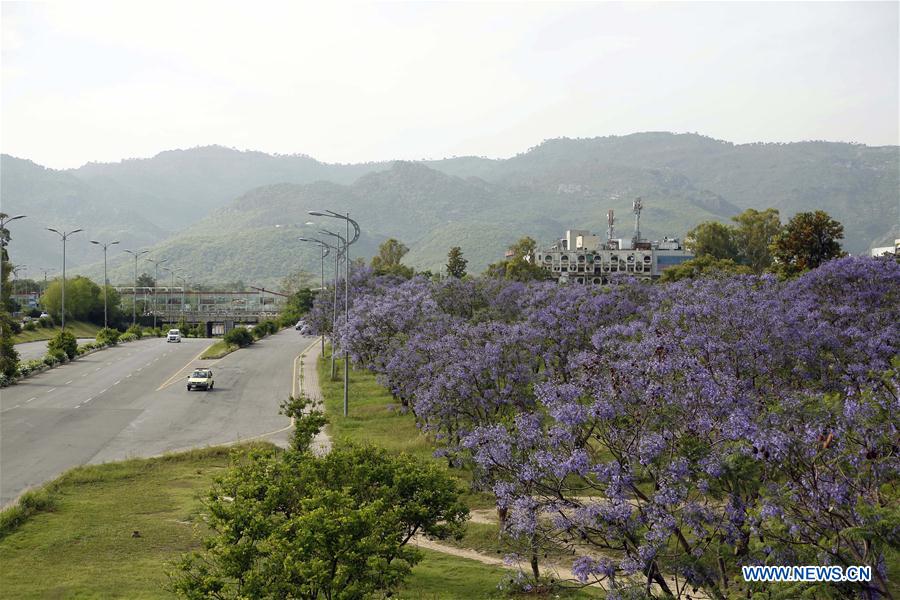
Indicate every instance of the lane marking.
{"type": "Point", "coordinates": [51, 390]}
{"type": "Point", "coordinates": [103, 391]}
{"type": "Point", "coordinates": [118, 382]}
{"type": "Point", "coordinates": [68, 382]}
{"type": "Point", "coordinates": [97, 369]}
{"type": "Point", "coordinates": [177, 373]}
{"type": "Point", "coordinates": [30, 399]}
{"type": "Point", "coordinates": [85, 375]}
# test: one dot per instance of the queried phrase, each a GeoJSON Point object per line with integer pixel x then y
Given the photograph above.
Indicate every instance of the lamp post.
{"type": "Point", "coordinates": [105, 278]}
{"type": "Point", "coordinates": [4, 239]}
{"type": "Point", "coordinates": [347, 243]}
{"type": "Point", "coordinates": [155, 285]}
{"type": "Point", "coordinates": [326, 249]}
{"type": "Point", "coordinates": [183, 285]}
{"type": "Point", "coordinates": [136, 255]}
{"type": "Point", "coordinates": [64, 235]}
{"type": "Point", "coordinates": [15, 272]}
{"type": "Point", "coordinates": [342, 254]}
{"type": "Point", "coordinates": [174, 272]}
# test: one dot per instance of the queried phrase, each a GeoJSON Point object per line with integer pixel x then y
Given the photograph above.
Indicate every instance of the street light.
{"type": "Point", "coordinates": [326, 249]}
{"type": "Point", "coordinates": [155, 285]}
{"type": "Point", "coordinates": [136, 255]}
{"type": "Point", "coordinates": [64, 235]}
{"type": "Point", "coordinates": [173, 271]}
{"type": "Point", "coordinates": [105, 277]}
{"type": "Point", "coordinates": [347, 243]}
{"type": "Point", "coordinates": [183, 285]}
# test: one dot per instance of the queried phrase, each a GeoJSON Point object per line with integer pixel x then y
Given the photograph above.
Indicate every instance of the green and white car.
{"type": "Point", "coordinates": [200, 378]}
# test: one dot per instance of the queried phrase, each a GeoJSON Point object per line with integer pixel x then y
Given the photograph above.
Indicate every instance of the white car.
{"type": "Point", "coordinates": [174, 336]}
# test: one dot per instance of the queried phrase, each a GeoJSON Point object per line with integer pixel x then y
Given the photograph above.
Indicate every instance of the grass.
{"type": "Point", "coordinates": [80, 329]}
{"type": "Point", "coordinates": [219, 349]}
{"type": "Point", "coordinates": [77, 540]}
{"type": "Point", "coordinates": [375, 417]}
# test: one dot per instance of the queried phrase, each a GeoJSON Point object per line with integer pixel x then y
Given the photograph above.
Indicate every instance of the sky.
{"type": "Point", "coordinates": [94, 81]}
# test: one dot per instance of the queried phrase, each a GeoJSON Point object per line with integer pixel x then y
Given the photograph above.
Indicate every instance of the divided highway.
{"type": "Point", "coordinates": [130, 401]}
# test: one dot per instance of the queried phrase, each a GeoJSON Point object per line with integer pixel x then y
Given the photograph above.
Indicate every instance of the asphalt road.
{"type": "Point", "coordinates": [131, 400]}
{"type": "Point", "coordinates": [32, 350]}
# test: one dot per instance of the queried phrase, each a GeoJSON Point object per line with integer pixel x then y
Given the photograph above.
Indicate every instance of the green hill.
{"type": "Point", "coordinates": [228, 215]}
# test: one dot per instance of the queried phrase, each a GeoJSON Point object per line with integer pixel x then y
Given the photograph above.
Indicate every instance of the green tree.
{"type": "Point", "coordinates": [308, 422]}
{"type": "Point", "coordinates": [239, 336]}
{"type": "Point", "coordinates": [714, 239]}
{"type": "Point", "coordinates": [307, 527]}
{"type": "Point", "coordinates": [808, 240]}
{"type": "Point", "coordinates": [387, 262]}
{"type": "Point", "coordinates": [9, 358]}
{"type": "Point", "coordinates": [703, 266]}
{"type": "Point", "coordinates": [84, 299]}
{"type": "Point", "coordinates": [146, 280]}
{"type": "Point", "coordinates": [456, 264]}
{"type": "Point", "coordinates": [754, 233]}
{"type": "Point", "coordinates": [519, 264]}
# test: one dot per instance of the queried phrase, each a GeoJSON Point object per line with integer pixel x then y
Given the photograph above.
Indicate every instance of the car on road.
{"type": "Point", "coordinates": [201, 378]}
{"type": "Point", "coordinates": [44, 315]}
{"type": "Point", "coordinates": [174, 336]}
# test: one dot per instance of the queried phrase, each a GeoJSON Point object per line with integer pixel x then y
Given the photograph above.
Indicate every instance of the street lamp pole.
{"type": "Point", "coordinates": [183, 285]}
{"type": "Point", "coordinates": [136, 255]}
{"type": "Point", "coordinates": [347, 243]}
{"type": "Point", "coordinates": [342, 254]}
{"type": "Point", "coordinates": [64, 235]}
{"type": "Point", "coordinates": [105, 277]}
{"type": "Point", "coordinates": [155, 285]}
{"type": "Point", "coordinates": [326, 249]}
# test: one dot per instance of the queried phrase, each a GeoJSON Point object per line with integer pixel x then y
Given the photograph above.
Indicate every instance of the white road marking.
{"type": "Point", "coordinates": [51, 390]}
{"type": "Point", "coordinates": [85, 375]}
{"type": "Point", "coordinates": [97, 369]}
{"type": "Point", "coordinates": [17, 406]}
{"type": "Point", "coordinates": [88, 400]}
{"type": "Point", "coordinates": [103, 391]}
{"type": "Point", "coordinates": [118, 382]}
{"type": "Point", "coordinates": [68, 382]}
{"type": "Point", "coordinates": [141, 369]}
{"type": "Point", "coordinates": [30, 399]}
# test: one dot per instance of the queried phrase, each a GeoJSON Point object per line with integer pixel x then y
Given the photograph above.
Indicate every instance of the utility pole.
{"type": "Point", "coordinates": [136, 255]}
{"type": "Point", "coordinates": [155, 286]}
{"type": "Point", "coordinates": [105, 277]}
{"type": "Point", "coordinates": [64, 236]}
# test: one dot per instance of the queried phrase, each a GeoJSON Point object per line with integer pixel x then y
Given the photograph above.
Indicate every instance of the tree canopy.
{"type": "Point", "coordinates": [387, 261]}
{"type": "Point", "coordinates": [808, 240]}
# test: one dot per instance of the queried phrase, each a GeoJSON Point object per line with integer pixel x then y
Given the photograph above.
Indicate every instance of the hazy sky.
{"type": "Point", "coordinates": [89, 81]}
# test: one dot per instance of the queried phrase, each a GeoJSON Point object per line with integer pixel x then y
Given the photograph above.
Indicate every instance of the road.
{"type": "Point", "coordinates": [130, 401]}
{"type": "Point", "coordinates": [32, 350]}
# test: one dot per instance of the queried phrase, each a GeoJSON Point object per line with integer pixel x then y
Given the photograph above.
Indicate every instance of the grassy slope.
{"type": "Point", "coordinates": [80, 329]}
{"type": "Point", "coordinates": [218, 350]}
{"type": "Point", "coordinates": [83, 546]}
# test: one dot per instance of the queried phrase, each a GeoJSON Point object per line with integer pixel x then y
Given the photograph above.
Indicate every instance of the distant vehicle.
{"type": "Point", "coordinates": [300, 325]}
{"type": "Point", "coordinates": [200, 378]}
{"type": "Point", "coordinates": [174, 336]}
{"type": "Point", "coordinates": [44, 315]}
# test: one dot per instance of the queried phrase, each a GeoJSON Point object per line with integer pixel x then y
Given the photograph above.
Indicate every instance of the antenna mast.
{"type": "Point", "coordinates": [637, 205]}
{"type": "Point", "coordinates": [610, 227]}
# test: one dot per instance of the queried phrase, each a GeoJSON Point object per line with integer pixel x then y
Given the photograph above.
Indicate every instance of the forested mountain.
{"type": "Point", "coordinates": [225, 215]}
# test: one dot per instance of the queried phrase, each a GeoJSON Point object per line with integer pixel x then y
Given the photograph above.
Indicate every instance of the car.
{"type": "Point", "coordinates": [201, 378]}
{"type": "Point", "coordinates": [44, 315]}
{"type": "Point", "coordinates": [300, 325]}
{"type": "Point", "coordinates": [174, 336]}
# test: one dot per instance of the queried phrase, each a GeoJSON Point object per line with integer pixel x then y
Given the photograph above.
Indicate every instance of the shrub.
{"type": "Point", "coordinates": [65, 342]}
{"type": "Point", "coordinates": [30, 326]}
{"type": "Point", "coordinates": [15, 326]}
{"type": "Point", "coordinates": [239, 336]}
{"type": "Point", "coordinates": [23, 370]}
{"type": "Point", "coordinates": [108, 336]}
{"type": "Point", "coordinates": [34, 313]}
{"type": "Point", "coordinates": [260, 331]}
{"type": "Point", "coordinates": [4, 380]}
{"type": "Point", "coordinates": [46, 322]}
{"type": "Point", "coordinates": [136, 330]}
{"type": "Point", "coordinates": [128, 337]}
{"type": "Point", "coordinates": [52, 359]}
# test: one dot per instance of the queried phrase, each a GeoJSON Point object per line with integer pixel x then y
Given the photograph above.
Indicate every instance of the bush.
{"type": "Point", "coordinates": [239, 336]}
{"type": "Point", "coordinates": [46, 322]}
{"type": "Point", "coordinates": [30, 326]}
{"type": "Point", "coordinates": [136, 330]}
{"type": "Point", "coordinates": [128, 337]}
{"type": "Point", "coordinates": [34, 313]}
{"type": "Point", "coordinates": [63, 342]}
{"type": "Point", "coordinates": [108, 336]}
{"type": "Point", "coordinates": [15, 326]}
{"type": "Point", "coordinates": [55, 357]}
{"type": "Point", "coordinates": [260, 331]}
{"type": "Point", "coordinates": [4, 380]}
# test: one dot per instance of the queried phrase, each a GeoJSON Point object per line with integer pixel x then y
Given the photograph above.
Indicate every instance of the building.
{"type": "Point", "coordinates": [888, 250]}
{"type": "Point", "coordinates": [583, 257]}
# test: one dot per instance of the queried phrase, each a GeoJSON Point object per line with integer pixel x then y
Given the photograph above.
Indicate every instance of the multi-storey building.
{"type": "Point", "coordinates": [583, 257]}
